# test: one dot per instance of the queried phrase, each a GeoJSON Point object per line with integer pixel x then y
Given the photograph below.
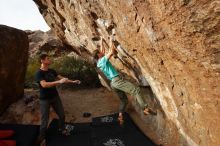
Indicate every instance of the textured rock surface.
{"type": "Point", "coordinates": [13, 62]}
{"type": "Point", "coordinates": [171, 45]}
{"type": "Point", "coordinates": [45, 42]}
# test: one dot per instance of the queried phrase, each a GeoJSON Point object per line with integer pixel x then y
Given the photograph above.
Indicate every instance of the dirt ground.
{"type": "Point", "coordinates": [97, 101]}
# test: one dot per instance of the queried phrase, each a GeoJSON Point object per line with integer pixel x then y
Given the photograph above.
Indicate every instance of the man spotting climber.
{"type": "Point", "coordinates": [48, 79]}
{"type": "Point", "coordinates": [117, 83]}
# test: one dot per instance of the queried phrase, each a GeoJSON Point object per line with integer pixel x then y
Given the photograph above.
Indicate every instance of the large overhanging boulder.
{"type": "Point", "coordinates": [173, 46]}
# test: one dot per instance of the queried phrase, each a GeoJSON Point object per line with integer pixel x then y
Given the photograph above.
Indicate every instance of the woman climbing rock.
{"type": "Point", "coordinates": [118, 84]}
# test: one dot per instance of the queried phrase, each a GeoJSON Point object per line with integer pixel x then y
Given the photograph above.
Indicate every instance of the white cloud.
{"type": "Point", "coordinates": [21, 14]}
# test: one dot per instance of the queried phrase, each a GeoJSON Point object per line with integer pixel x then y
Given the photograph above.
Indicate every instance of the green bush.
{"type": "Point", "coordinates": [68, 67]}
{"type": "Point", "coordinates": [32, 67]}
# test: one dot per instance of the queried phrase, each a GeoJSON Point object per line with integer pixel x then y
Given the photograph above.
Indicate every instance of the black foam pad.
{"type": "Point", "coordinates": [103, 131]}
{"type": "Point", "coordinates": [110, 124]}
{"type": "Point", "coordinates": [106, 131]}
{"type": "Point", "coordinates": [80, 135]}
{"type": "Point", "coordinates": [127, 139]}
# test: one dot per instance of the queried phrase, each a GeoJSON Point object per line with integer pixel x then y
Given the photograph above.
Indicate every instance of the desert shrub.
{"type": "Point", "coordinates": [32, 67]}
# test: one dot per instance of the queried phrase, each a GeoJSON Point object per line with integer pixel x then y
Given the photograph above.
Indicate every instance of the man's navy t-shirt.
{"type": "Point", "coordinates": [49, 76]}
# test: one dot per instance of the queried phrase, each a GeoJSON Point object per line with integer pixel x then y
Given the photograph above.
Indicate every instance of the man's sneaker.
{"type": "Point", "coordinates": [69, 127]}
{"type": "Point", "coordinates": [67, 131]}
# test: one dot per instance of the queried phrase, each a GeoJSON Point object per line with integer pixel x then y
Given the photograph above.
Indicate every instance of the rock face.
{"type": "Point", "coordinates": [13, 62]}
{"type": "Point", "coordinates": [173, 46]}
{"type": "Point", "coordinates": [45, 42]}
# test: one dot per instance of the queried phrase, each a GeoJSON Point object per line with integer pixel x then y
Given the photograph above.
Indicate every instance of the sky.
{"type": "Point", "coordinates": [22, 14]}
